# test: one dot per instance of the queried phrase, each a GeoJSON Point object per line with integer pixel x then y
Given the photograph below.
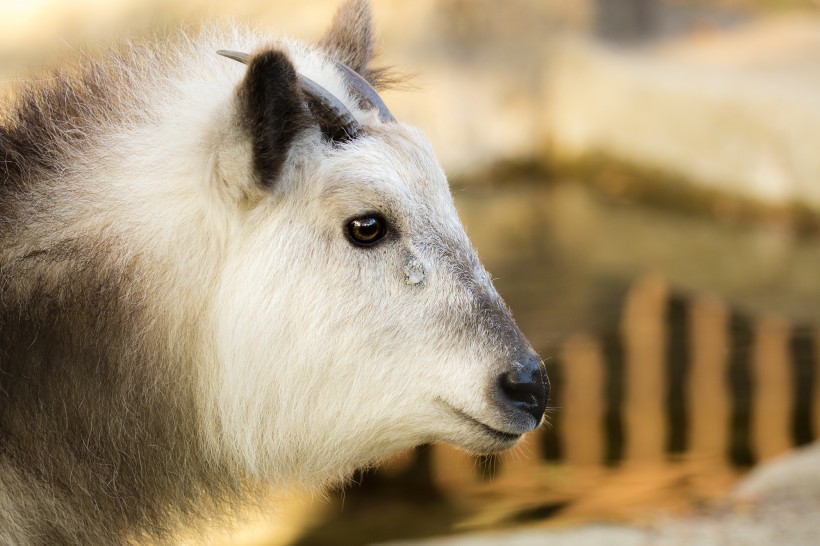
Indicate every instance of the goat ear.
{"type": "Point", "coordinates": [350, 37]}
{"type": "Point", "coordinates": [272, 111]}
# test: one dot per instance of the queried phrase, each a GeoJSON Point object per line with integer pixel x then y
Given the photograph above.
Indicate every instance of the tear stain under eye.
{"type": "Point", "coordinates": [414, 271]}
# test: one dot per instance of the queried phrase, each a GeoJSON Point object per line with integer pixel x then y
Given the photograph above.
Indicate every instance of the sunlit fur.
{"type": "Point", "coordinates": [174, 332]}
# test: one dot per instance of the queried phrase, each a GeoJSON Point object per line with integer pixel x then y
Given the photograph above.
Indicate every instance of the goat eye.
{"type": "Point", "coordinates": [367, 230]}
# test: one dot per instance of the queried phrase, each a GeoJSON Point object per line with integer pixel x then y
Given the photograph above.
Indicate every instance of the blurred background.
{"type": "Point", "coordinates": [642, 179]}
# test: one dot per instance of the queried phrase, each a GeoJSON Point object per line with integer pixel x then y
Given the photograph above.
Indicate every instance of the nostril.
{"type": "Point", "coordinates": [518, 389]}
{"type": "Point", "coordinates": [526, 387]}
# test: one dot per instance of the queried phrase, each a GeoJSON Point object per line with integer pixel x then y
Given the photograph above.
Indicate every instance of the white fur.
{"type": "Point", "coordinates": [314, 357]}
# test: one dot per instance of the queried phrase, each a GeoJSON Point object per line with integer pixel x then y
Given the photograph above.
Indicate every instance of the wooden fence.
{"type": "Point", "coordinates": [679, 378]}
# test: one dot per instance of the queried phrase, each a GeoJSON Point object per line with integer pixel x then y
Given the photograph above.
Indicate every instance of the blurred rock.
{"type": "Point", "coordinates": [796, 473]}
{"type": "Point", "coordinates": [625, 20]}
{"type": "Point", "coordinates": [737, 112]}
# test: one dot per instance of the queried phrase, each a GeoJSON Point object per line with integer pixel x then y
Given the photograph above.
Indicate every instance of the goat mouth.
{"type": "Point", "coordinates": [506, 437]}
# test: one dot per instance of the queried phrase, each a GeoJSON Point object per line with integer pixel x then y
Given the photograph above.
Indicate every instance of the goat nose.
{"type": "Point", "coordinates": [526, 387]}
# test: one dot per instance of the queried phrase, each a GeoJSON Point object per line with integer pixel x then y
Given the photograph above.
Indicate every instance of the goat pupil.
{"type": "Point", "coordinates": [366, 230]}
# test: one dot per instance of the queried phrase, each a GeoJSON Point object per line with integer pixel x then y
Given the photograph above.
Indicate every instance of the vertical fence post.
{"type": "Point", "coordinates": [772, 388]}
{"type": "Point", "coordinates": [582, 409]}
{"type": "Point", "coordinates": [644, 400]}
{"type": "Point", "coordinates": [815, 402]}
{"type": "Point", "coordinates": [802, 358]}
{"type": "Point", "coordinates": [708, 389]}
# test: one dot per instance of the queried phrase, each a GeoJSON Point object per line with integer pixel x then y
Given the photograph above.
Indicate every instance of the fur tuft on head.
{"type": "Point", "coordinates": [350, 39]}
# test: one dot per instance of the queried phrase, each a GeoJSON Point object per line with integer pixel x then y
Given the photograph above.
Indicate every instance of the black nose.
{"type": "Point", "coordinates": [526, 387]}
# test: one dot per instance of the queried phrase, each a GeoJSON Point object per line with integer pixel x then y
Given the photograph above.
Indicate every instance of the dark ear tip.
{"type": "Point", "coordinates": [271, 62]}
{"type": "Point", "coordinates": [268, 62]}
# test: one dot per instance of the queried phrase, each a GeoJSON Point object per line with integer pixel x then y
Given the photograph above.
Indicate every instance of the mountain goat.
{"type": "Point", "coordinates": [216, 274]}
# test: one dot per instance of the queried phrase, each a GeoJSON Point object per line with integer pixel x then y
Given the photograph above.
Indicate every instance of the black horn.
{"type": "Point", "coordinates": [335, 120]}
{"type": "Point", "coordinates": [368, 96]}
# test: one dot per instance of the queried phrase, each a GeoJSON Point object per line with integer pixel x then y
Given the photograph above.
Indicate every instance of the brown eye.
{"type": "Point", "coordinates": [367, 230]}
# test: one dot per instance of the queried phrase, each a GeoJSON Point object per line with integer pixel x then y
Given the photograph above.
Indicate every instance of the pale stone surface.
{"type": "Point", "coordinates": [593, 535]}
{"type": "Point", "coordinates": [785, 475]}
{"type": "Point", "coordinates": [737, 112]}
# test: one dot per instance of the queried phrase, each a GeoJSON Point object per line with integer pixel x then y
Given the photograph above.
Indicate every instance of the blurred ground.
{"type": "Point", "coordinates": [777, 504]}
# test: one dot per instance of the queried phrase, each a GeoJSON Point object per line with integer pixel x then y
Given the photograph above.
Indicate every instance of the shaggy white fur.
{"type": "Point", "coordinates": [307, 356]}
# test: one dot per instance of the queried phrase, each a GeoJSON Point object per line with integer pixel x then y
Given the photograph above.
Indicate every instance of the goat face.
{"type": "Point", "coordinates": [354, 318]}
